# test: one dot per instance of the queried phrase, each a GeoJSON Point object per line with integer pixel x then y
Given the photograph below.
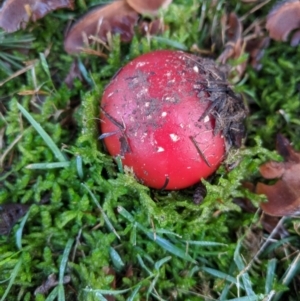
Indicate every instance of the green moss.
{"type": "Point", "coordinates": [164, 246]}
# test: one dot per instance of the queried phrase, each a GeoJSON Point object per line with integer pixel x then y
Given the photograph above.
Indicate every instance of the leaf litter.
{"type": "Point", "coordinates": [284, 195]}
{"type": "Point", "coordinates": [15, 14]}
{"type": "Point", "coordinates": [239, 48]}
{"type": "Point", "coordinates": [283, 19]}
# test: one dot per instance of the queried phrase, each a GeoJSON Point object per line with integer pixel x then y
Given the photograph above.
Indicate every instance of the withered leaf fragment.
{"type": "Point", "coordinates": [237, 43]}
{"type": "Point", "coordinates": [14, 14]}
{"type": "Point", "coordinates": [10, 213]}
{"type": "Point", "coordinates": [256, 48]}
{"type": "Point", "coordinates": [148, 7]}
{"type": "Point", "coordinates": [49, 283]}
{"type": "Point", "coordinates": [153, 27]}
{"type": "Point", "coordinates": [115, 18]}
{"type": "Point", "coordinates": [284, 195]}
{"type": "Point", "coordinates": [283, 19]}
{"type": "Point", "coordinates": [234, 30]}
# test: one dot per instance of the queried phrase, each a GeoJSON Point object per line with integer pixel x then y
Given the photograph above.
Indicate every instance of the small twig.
{"type": "Point", "coordinates": [166, 183]}
{"type": "Point", "coordinates": [199, 151]}
{"type": "Point", "coordinates": [21, 71]}
{"type": "Point", "coordinates": [113, 120]}
{"type": "Point", "coordinates": [254, 9]}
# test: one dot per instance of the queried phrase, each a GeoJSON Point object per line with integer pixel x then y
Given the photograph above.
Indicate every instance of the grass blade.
{"type": "Point", "coordinates": [51, 165]}
{"type": "Point", "coordinates": [116, 259]}
{"type": "Point", "coordinates": [56, 151]}
{"type": "Point", "coordinates": [62, 267]}
{"type": "Point", "coordinates": [12, 279]}
{"type": "Point", "coordinates": [270, 275]}
{"type": "Point", "coordinates": [20, 230]}
{"type": "Point", "coordinates": [52, 296]}
{"type": "Point", "coordinates": [162, 242]}
{"type": "Point", "coordinates": [205, 243]}
{"type": "Point", "coordinates": [159, 263]}
{"type": "Point", "coordinates": [79, 167]}
{"type": "Point", "coordinates": [107, 292]}
{"type": "Point", "coordinates": [136, 290]}
{"type": "Point", "coordinates": [106, 219]}
{"type": "Point", "coordinates": [222, 275]}
{"type": "Point", "coordinates": [243, 274]}
{"type": "Point", "coordinates": [45, 66]}
{"type": "Point", "coordinates": [248, 298]}
{"type": "Point", "coordinates": [170, 42]}
{"type": "Point", "coordinates": [289, 275]}
{"type": "Point", "coordinates": [141, 262]}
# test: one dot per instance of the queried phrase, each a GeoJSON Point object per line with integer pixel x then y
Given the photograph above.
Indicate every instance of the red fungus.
{"type": "Point", "coordinates": [159, 113]}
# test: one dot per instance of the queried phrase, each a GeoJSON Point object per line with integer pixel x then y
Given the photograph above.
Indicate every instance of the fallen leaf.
{"type": "Point", "coordinates": [49, 283]}
{"type": "Point", "coordinates": [256, 48]}
{"type": "Point", "coordinates": [14, 14]}
{"type": "Point", "coordinates": [148, 7]}
{"type": "Point", "coordinates": [115, 18]}
{"type": "Point", "coordinates": [238, 43]}
{"type": "Point", "coordinates": [153, 27]}
{"type": "Point", "coordinates": [283, 196]}
{"type": "Point", "coordinates": [235, 46]}
{"type": "Point", "coordinates": [10, 213]}
{"type": "Point", "coordinates": [283, 19]}
{"type": "Point", "coordinates": [233, 33]}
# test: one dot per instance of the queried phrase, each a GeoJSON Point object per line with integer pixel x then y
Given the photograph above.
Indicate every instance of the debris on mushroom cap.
{"type": "Point", "coordinates": [117, 17]}
{"type": "Point", "coordinates": [282, 19]}
{"type": "Point", "coordinates": [14, 14]}
{"type": "Point", "coordinates": [148, 7]}
{"type": "Point", "coordinates": [284, 195]}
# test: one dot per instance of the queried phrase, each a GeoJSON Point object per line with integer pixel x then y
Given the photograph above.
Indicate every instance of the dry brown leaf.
{"type": "Point", "coordinates": [233, 47]}
{"type": "Point", "coordinates": [256, 48]}
{"type": "Point", "coordinates": [14, 14]}
{"type": "Point", "coordinates": [148, 7]}
{"type": "Point", "coordinates": [153, 27]}
{"type": "Point", "coordinates": [10, 213]}
{"type": "Point", "coordinates": [284, 196]}
{"type": "Point", "coordinates": [115, 18]}
{"type": "Point", "coordinates": [283, 19]}
{"type": "Point", "coordinates": [239, 41]}
{"type": "Point", "coordinates": [49, 283]}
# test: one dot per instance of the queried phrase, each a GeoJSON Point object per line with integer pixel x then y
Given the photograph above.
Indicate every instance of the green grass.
{"type": "Point", "coordinates": [91, 220]}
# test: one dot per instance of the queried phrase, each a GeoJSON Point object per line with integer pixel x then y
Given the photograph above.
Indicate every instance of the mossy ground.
{"type": "Point", "coordinates": [91, 220]}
